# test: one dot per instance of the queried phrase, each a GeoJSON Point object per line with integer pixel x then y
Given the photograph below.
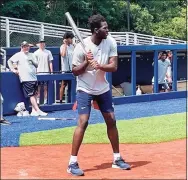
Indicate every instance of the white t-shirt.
{"type": "Point", "coordinates": [162, 70]}
{"type": "Point", "coordinates": [94, 81]}
{"type": "Point", "coordinates": [44, 57]}
{"type": "Point", "coordinates": [24, 62]}
{"type": "Point", "coordinates": [66, 62]}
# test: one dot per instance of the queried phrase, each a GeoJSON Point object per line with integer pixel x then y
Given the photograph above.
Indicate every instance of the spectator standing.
{"type": "Point", "coordinates": [24, 64]}
{"type": "Point", "coordinates": [66, 52]}
{"type": "Point", "coordinates": [45, 65]}
{"type": "Point", "coordinates": [163, 65]}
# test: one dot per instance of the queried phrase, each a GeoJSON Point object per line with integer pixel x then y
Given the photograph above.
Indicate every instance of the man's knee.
{"type": "Point", "coordinates": [83, 121]}
{"type": "Point", "coordinates": [110, 120]}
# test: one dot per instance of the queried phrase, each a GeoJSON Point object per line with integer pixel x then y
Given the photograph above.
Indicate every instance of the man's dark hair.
{"type": "Point", "coordinates": [95, 21]}
{"type": "Point", "coordinates": [164, 52]}
{"type": "Point", "coordinates": [68, 35]}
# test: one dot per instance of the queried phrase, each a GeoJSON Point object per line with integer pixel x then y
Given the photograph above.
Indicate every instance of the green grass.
{"type": "Point", "coordinates": [143, 130]}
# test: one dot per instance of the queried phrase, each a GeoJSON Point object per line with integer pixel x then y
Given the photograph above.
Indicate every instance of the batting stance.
{"type": "Point", "coordinates": [90, 70]}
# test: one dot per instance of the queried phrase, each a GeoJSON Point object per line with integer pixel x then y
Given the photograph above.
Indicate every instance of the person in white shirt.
{"type": "Point", "coordinates": [66, 52]}
{"type": "Point", "coordinates": [24, 64]}
{"type": "Point", "coordinates": [45, 66]}
{"type": "Point", "coordinates": [90, 70]}
{"type": "Point", "coordinates": [169, 70]}
{"type": "Point", "coordinates": [163, 64]}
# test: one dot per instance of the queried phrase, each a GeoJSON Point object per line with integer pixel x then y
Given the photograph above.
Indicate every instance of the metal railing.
{"type": "Point", "coordinates": [14, 31]}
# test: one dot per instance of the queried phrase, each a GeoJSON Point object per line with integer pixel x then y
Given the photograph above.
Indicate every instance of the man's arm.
{"type": "Point", "coordinates": [80, 60]}
{"type": "Point", "coordinates": [12, 66]}
{"type": "Point", "coordinates": [50, 59]}
{"type": "Point", "coordinates": [34, 60]}
{"type": "Point", "coordinates": [64, 48]}
{"type": "Point", "coordinates": [51, 66]}
{"type": "Point", "coordinates": [80, 69]}
{"type": "Point", "coordinates": [111, 67]}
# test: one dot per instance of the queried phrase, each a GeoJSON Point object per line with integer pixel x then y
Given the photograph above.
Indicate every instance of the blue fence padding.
{"type": "Point", "coordinates": [11, 91]}
{"type": "Point", "coordinates": [149, 97]}
{"type": "Point", "coordinates": [140, 69]}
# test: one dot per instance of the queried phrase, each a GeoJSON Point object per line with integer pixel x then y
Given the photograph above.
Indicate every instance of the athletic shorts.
{"type": "Point", "coordinates": [43, 83]}
{"type": "Point", "coordinates": [29, 88]}
{"type": "Point", "coordinates": [84, 102]}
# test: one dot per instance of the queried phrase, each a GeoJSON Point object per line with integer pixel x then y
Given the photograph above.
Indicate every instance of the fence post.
{"type": "Point", "coordinates": [135, 39]}
{"type": "Point", "coordinates": [174, 61]}
{"type": "Point", "coordinates": [7, 33]}
{"type": "Point", "coordinates": [155, 71]}
{"type": "Point", "coordinates": [127, 38]}
{"type": "Point", "coordinates": [169, 41]}
{"type": "Point", "coordinates": [153, 40]}
{"type": "Point", "coordinates": [133, 72]}
{"type": "Point", "coordinates": [42, 31]}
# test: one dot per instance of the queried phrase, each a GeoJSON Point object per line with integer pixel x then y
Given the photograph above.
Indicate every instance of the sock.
{"type": "Point", "coordinates": [116, 156]}
{"type": "Point", "coordinates": [73, 159]}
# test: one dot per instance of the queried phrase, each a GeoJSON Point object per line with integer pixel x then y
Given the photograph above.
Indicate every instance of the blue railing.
{"type": "Point", "coordinates": [12, 93]}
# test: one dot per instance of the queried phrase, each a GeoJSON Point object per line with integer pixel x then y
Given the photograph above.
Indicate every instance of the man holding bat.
{"type": "Point", "coordinates": [90, 70]}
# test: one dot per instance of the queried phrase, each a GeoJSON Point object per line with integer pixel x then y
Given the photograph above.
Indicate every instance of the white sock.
{"type": "Point", "coordinates": [116, 156]}
{"type": "Point", "coordinates": [73, 159]}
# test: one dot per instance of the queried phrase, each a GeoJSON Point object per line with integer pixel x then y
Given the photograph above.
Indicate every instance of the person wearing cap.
{"type": "Point", "coordinates": [66, 52]}
{"type": "Point", "coordinates": [45, 65]}
{"type": "Point", "coordinates": [24, 65]}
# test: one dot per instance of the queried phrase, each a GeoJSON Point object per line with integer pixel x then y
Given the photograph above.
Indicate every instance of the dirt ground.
{"type": "Point", "coordinates": [148, 161]}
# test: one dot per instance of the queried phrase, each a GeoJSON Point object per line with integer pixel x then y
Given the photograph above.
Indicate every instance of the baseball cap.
{"type": "Point", "coordinates": [24, 43]}
{"type": "Point", "coordinates": [42, 41]}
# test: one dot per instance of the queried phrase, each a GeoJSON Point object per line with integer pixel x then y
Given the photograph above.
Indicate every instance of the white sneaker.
{"type": "Point", "coordinates": [34, 113]}
{"type": "Point", "coordinates": [41, 113]}
{"type": "Point", "coordinates": [25, 113]}
{"type": "Point", "coordinates": [19, 114]}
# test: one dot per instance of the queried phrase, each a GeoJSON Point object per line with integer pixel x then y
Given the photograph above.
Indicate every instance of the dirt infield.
{"type": "Point", "coordinates": [154, 161]}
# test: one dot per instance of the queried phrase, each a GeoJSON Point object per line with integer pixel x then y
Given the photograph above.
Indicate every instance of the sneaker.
{"type": "Point", "coordinates": [19, 114]}
{"type": "Point", "coordinates": [41, 113]}
{"type": "Point", "coordinates": [25, 113]}
{"type": "Point", "coordinates": [75, 170]}
{"type": "Point", "coordinates": [5, 122]}
{"type": "Point", "coordinates": [34, 113]}
{"type": "Point", "coordinates": [121, 164]}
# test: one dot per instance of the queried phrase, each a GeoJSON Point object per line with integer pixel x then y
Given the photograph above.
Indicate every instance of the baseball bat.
{"type": "Point", "coordinates": [75, 29]}
{"type": "Point", "coordinates": [53, 119]}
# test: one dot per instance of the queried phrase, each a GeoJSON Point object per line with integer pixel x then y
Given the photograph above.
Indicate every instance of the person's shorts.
{"type": "Point", "coordinates": [163, 86]}
{"type": "Point", "coordinates": [29, 88]}
{"type": "Point", "coordinates": [84, 102]}
{"type": "Point", "coordinates": [43, 83]}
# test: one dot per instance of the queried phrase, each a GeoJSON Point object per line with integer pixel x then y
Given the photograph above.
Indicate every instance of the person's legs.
{"type": "Point", "coordinates": [106, 107]}
{"type": "Point", "coordinates": [84, 108]}
{"type": "Point", "coordinates": [62, 90]}
{"type": "Point", "coordinates": [45, 92]}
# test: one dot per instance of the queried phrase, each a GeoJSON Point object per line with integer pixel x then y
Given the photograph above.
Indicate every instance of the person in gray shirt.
{"type": "Point", "coordinates": [66, 52]}
{"type": "Point", "coordinates": [24, 64]}
{"type": "Point", "coordinates": [163, 64]}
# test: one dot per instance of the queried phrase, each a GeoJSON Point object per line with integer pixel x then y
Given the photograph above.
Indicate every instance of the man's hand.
{"type": "Point", "coordinates": [15, 72]}
{"type": "Point", "coordinates": [169, 79]}
{"type": "Point", "coordinates": [94, 64]}
{"type": "Point", "coordinates": [89, 56]}
{"type": "Point", "coordinates": [65, 41]}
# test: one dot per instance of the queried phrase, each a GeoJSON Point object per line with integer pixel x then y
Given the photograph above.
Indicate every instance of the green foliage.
{"type": "Point", "coordinates": [162, 18]}
{"type": "Point", "coordinates": [154, 129]}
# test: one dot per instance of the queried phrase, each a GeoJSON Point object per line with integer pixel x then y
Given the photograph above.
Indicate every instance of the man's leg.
{"type": "Point", "coordinates": [84, 108]}
{"type": "Point", "coordinates": [62, 90]}
{"type": "Point", "coordinates": [107, 110]}
{"type": "Point", "coordinates": [2, 120]}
